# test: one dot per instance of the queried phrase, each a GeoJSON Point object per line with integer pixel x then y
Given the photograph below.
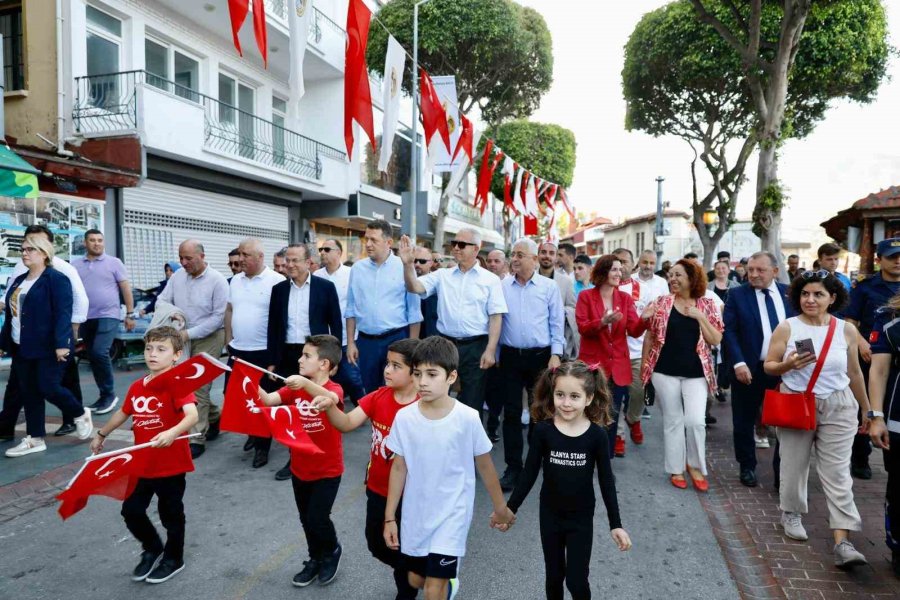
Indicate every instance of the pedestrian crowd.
{"type": "Point", "coordinates": [552, 347]}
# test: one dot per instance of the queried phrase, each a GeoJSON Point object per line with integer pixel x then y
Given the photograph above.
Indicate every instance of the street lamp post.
{"type": "Point", "coordinates": [414, 175]}
{"type": "Point", "coordinates": [660, 229]}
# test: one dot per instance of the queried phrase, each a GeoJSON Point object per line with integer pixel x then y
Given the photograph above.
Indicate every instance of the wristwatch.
{"type": "Point", "coordinates": [874, 413]}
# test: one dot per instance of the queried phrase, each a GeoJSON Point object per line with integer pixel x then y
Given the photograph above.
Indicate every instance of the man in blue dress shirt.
{"type": "Point", "coordinates": [378, 305]}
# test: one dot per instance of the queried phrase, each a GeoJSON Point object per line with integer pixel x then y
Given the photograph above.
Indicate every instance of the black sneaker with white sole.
{"type": "Point", "coordinates": [149, 561]}
{"type": "Point", "coordinates": [165, 570]}
{"type": "Point", "coordinates": [309, 573]}
{"type": "Point", "coordinates": [101, 407]}
{"type": "Point", "coordinates": [330, 566]}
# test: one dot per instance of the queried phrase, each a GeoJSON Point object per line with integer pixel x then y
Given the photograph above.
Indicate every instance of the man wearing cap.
{"type": "Point", "coordinates": [865, 299]}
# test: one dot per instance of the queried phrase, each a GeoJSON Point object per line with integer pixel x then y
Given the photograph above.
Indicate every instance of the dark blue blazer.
{"type": "Point", "coordinates": [324, 313]}
{"type": "Point", "coordinates": [46, 316]}
{"type": "Point", "coordinates": [743, 337]}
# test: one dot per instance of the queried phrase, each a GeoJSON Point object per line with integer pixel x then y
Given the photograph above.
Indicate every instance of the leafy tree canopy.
{"type": "Point", "coordinates": [546, 150]}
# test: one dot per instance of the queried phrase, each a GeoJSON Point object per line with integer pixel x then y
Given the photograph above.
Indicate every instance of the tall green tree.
{"type": "Point", "coordinates": [797, 56]}
{"type": "Point", "coordinates": [500, 52]}
{"type": "Point", "coordinates": [546, 150]}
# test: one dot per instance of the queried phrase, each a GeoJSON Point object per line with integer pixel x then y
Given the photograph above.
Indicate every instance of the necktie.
{"type": "Point", "coordinates": [770, 309]}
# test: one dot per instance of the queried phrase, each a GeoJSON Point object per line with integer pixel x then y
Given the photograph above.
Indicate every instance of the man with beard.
{"type": "Point", "coordinates": [547, 260]}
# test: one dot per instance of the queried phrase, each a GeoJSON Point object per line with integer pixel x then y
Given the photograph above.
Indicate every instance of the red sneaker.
{"type": "Point", "coordinates": [619, 448]}
{"type": "Point", "coordinates": [637, 434]}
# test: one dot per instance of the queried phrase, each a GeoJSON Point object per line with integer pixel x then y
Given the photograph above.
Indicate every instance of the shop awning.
{"type": "Point", "coordinates": [17, 177]}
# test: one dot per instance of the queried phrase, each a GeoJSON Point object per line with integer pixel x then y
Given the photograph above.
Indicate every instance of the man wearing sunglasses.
{"type": "Point", "coordinates": [234, 263]}
{"type": "Point", "coordinates": [423, 264]}
{"type": "Point", "coordinates": [471, 306]}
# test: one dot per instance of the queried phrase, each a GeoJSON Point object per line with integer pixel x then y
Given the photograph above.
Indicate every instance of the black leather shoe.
{"type": "Point", "coordinates": [197, 450]}
{"type": "Point", "coordinates": [248, 445]}
{"type": "Point", "coordinates": [493, 436]}
{"type": "Point", "coordinates": [509, 480]}
{"type": "Point", "coordinates": [284, 472]}
{"type": "Point", "coordinates": [711, 420]}
{"type": "Point", "coordinates": [65, 429]}
{"type": "Point", "coordinates": [260, 458]}
{"type": "Point", "coordinates": [720, 396]}
{"type": "Point", "coordinates": [861, 471]}
{"type": "Point", "coordinates": [329, 569]}
{"type": "Point", "coordinates": [213, 431]}
{"type": "Point", "coordinates": [748, 478]}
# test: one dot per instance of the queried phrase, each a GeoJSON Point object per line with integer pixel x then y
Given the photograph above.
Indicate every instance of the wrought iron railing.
{"type": "Point", "coordinates": [107, 103]}
{"type": "Point", "coordinates": [319, 24]}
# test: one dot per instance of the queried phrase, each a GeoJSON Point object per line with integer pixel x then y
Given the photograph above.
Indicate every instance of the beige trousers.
{"type": "Point", "coordinates": [833, 442]}
{"type": "Point", "coordinates": [207, 411]}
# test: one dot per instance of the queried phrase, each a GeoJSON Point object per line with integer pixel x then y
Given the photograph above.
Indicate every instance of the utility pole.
{"type": "Point", "coordinates": [414, 167]}
{"type": "Point", "coordinates": [660, 229]}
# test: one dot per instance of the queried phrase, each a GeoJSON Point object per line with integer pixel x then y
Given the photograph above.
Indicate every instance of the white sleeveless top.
{"type": "Point", "coordinates": [833, 376]}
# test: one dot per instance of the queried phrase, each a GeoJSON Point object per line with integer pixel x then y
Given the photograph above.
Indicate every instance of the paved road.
{"type": "Point", "coordinates": [245, 541]}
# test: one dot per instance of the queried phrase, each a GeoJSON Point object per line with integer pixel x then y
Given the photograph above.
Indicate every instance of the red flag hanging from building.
{"type": "Point", "coordinates": [466, 139]}
{"type": "Point", "coordinates": [259, 30]}
{"type": "Point", "coordinates": [237, 10]}
{"type": "Point", "coordinates": [240, 410]}
{"type": "Point", "coordinates": [434, 117]}
{"type": "Point", "coordinates": [188, 376]}
{"type": "Point", "coordinates": [286, 425]}
{"type": "Point", "coordinates": [113, 475]}
{"type": "Point", "coordinates": [357, 93]}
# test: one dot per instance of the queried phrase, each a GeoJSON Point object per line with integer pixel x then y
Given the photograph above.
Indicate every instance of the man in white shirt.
{"type": "Point", "coordinates": [247, 320]}
{"type": "Point", "coordinates": [547, 254]}
{"type": "Point", "coordinates": [12, 405]}
{"type": "Point", "coordinates": [331, 255]}
{"type": "Point", "coordinates": [471, 306]}
{"type": "Point", "coordinates": [201, 293]}
{"type": "Point", "coordinates": [497, 263]}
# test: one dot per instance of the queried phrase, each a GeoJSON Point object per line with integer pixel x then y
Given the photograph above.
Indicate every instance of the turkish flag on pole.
{"type": "Point", "coordinates": [259, 30]}
{"type": "Point", "coordinates": [434, 117]}
{"type": "Point", "coordinates": [466, 139]}
{"type": "Point", "coordinates": [240, 410]}
{"type": "Point", "coordinates": [113, 474]}
{"type": "Point", "coordinates": [188, 376]}
{"type": "Point", "coordinates": [237, 10]}
{"type": "Point", "coordinates": [357, 93]}
{"type": "Point", "coordinates": [286, 425]}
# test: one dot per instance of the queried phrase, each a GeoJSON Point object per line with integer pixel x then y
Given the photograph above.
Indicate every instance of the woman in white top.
{"type": "Point", "coordinates": [840, 393]}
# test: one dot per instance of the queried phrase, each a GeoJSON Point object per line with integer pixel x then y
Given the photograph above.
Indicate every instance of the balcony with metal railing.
{"type": "Point", "coordinates": [325, 35]}
{"type": "Point", "coordinates": [167, 114]}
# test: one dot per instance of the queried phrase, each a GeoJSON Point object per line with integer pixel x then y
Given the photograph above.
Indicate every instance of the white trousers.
{"type": "Point", "coordinates": [683, 404]}
{"type": "Point", "coordinates": [833, 442]}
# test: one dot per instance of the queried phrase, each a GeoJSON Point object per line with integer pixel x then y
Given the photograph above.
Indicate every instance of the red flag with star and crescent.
{"type": "Point", "coordinates": [241, 412]}
{"type": "Point", "coordinates": [286, 425]}
{"type": "Point", "coordinates": [113, 474]}
{"type": "Point", "coordinates": [189, 376]}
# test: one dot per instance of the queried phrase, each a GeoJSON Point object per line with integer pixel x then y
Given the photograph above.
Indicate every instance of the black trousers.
{"type": "Point", "coordinates": [471, 376]}
{"type": "Point", "coordinates": [260, 358]}
{"type": "Point", "coordinates": [892, 497]}
{"type": "Point", "coordinates": [314, 501]}
{"type": "Point", "coordinates": [518, 370]}
{"type": "Point", "coordinates": [493, 396]}
{"type": "Point", "coordinates": [375, 505]}
{"type": "Point", "coordinates": [567, 539]}
{"type": "Point", "coordinates": [746, 403]}
{"type": "Point", "coordinates": [13, 401]}
{"type": "Point", "coordinates": [862, 445]}
{"type": "Point", "coordinates": [170, 503]}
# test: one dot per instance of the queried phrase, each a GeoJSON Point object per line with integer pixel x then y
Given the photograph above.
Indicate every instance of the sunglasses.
{"type": "Point", "coordinates": [820, 274]}
{"type": "Point", "coordinates": [422, 261]}
{"type": "Point", "coordinates": [236, 263]}
{"type": "Point", "coordinates": [461, 245]}
{"type": "Point", "coordinates": [326, 249]}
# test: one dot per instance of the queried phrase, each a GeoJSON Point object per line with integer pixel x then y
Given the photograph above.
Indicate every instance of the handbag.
{"type": "Point", "coordinates": [793, 410]}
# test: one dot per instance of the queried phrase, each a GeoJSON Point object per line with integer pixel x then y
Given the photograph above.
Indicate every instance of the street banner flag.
{"type": "Point", "coordinates": [517, 199]}
{"type": "Point", "coordinates": [237, 10]}
{"type": "Point", "coordinates": [509, 173]}
{"type": "Point", "coordinates": [565, 200]}
{"type": "Point", "coordinates": [259, 30]}
{"type": "Point", "coordinates": [298, 18]}
{"type": "Point", "coordinates": [461, 171]}
{"type": "Point", "coordinates": [531, 225]}
{"type": "Point", "coordinates": [445, 88]}
{"type": "Point", "coordinates": [485, 173]}
{"type": "Point", "coordinates": [531, 206]}
{"type": "Point", "coordinates": [188, 376]}
{"type": "Point", "coordinates": [240, 410]}
{"type": "Point", "coordinates": [394, 65]}
{"type": "Point", "coordinates": [434, 121]}
{"type": "Point", "coordinates": [357, 93]}
{"type": "Point", "coordinates": [466, 141]}
{"type": "Point", "coordinates": [490, 177]}
{"type": "Point", "coordinates": [286, 426]}
{"type": "Point", "coordinates": [113, 474]}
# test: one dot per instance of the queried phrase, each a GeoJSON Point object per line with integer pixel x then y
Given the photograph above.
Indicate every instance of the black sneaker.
{"type": "Point", "coordinates": [166, 570]}
{"type": "Point", "coordinates": [895, 562]}
{"type": "Point", "coordinates": [309, 573]}
{"type": "Point", "coordinates": [149, 561]}
{"type": "Point", "coordinates": [260, 458]}
{"type": "Point", "coordinates": [101, 407]}
{"type": "Point", "coordinates": [65, 429]}
{"type": "Point", "coordinates": [197, 450]}
{"type": "Point", "coordinates": [284, 473]}
{"type": "Point", "coordinates": [493, 436]}
{"type": "Point", "coordinates": [249, 444]}
{"type": "Point", "coordinates": [329, 569]}
{"type": "Point", "coordinates": [509, 480]}
{"type": "Point", "coordinates": [711, 420]}
{"type": "Point", "coordinates": [213, 431]}
{"type": "Point", "coordinates": [861, 471]}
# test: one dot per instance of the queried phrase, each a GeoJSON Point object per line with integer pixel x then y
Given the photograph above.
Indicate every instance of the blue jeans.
{"type": "Point", "coordinates": [349, 378]}
{"type": "Point", "coordinates": [619, 395]}
{"type": "Point", "coordinates": [373, 357]}
{"type": "Point", "coordinates": [98, 335]}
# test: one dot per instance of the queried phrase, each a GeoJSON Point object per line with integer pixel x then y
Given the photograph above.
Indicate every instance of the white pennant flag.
{"type": "Point", "coordinates": [459, 174]}
{"type": "Point", "coordinates": [517, 192]}
{"type": "Point", "coordinates": [531, 207]}
{"type": "Point", "coordinates": [394, 63]}
{"type": "Point", "coordinates": [299, 17]}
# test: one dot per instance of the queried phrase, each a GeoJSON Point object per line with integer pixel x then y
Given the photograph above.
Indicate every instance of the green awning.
{"type": "Point", "coordinates": [17, 177]}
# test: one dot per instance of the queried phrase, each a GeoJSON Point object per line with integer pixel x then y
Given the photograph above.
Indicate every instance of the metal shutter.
{"type": "Point", "coordinates": [159, 216]}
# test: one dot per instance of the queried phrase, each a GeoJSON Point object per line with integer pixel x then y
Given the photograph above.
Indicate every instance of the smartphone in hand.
{"type": "Point", "coordinates": [805, 346]}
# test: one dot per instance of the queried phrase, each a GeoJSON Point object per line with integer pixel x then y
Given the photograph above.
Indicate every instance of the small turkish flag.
{"type": "Point", "coordinates": [189, 376]}
{"type": "Point", "coordinates": [114, 476]}
{"type": "Point", "coordinates": [240, 410]}
{"type": "Point", "coordinates": [286, 425]}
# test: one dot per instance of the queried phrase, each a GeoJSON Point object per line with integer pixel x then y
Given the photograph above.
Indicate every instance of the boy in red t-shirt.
{"type": "Point", "coordinates": [316, 480]}
{"type": "Point", "coordinates": [381, 407]}
{"type": "Point", "coordinates": [159, 418]}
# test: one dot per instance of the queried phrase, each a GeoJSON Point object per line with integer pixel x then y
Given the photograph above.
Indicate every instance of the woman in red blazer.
{"type": "Point", "coordinates": [605, 316]}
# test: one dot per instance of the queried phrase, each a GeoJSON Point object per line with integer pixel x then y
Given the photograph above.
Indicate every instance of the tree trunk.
{"type": "Point", "coordinates": [767, 217]}
{"type": "Point", "coordinates": [507, 230]}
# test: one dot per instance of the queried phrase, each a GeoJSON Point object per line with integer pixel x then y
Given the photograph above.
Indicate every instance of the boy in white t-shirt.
{"type": "Point", "coordinates": [437, 444]}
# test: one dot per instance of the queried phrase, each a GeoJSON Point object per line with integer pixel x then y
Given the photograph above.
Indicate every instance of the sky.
{"type": "Point", "coordinates": [851, 154]}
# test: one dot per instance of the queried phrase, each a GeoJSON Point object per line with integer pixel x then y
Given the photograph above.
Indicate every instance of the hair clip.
{"type": "Point", "coordinates": [553, 370]}
{"type": "Point", "coordinates": [594, 367]}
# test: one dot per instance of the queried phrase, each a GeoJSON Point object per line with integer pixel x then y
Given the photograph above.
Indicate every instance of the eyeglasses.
{"type": "Point", "coordinates": [422, 261]}
{"type": "Point", "coordinates": [461, 245]}
{"type": "Point", "coordinates": [29, 249]}
{"type": "Point", "coordinates": [820, 274]}
{"type": "Point", "coordinates": [326, 249]}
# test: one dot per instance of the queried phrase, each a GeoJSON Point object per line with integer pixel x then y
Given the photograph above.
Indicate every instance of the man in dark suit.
{"type": "Point", "coordinates": [423, 264]}
{"type": "Point", "coordinates": [302, 306]}
{"type": "Point", "coordinates": [752, 312]}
